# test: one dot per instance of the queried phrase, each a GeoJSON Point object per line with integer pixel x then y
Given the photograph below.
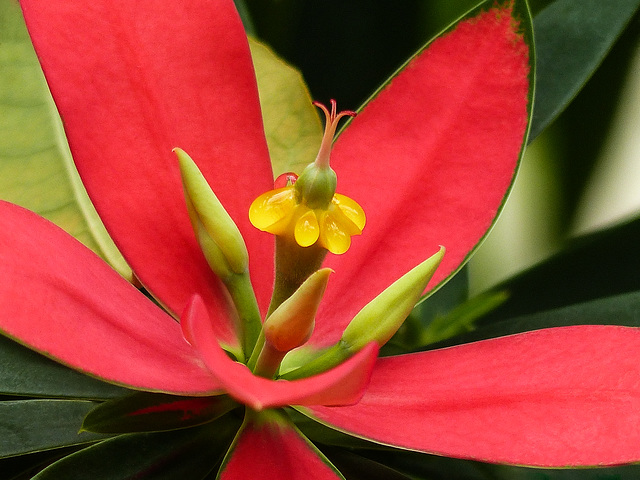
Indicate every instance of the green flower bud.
{"type": "Point", "coordinates": [291, 324]}
{"type": "Point", "coordinates": [380, 319]}
{"type": "Point", "coordinates": [217, 233]}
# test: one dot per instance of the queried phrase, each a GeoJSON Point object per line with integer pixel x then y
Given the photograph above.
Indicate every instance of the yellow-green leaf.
{"type": "Point", "coordinates": [36, 168]}
{"type": "Point", "coordinates": [291, 124]}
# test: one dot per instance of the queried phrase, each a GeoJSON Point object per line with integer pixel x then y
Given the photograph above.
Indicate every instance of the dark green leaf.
{"type": "Point", "coordinates": [180, 454]}
{"type": "Point", "coordinates": [154, 412]}
{"type": "Point", "coordinates": [27, 373]}
{"type": "Point", "coordinates": [599, 265]}
{"type": "Point", "coordinates": [25, 466]}
{"type": "Point", "coordinates": [430, 467]}
{"type": "Point", "coordinates": [617, 310]}
{"type": "Point", "coordinates": [32, 425]}
{"type": "Point", "coordinates": [356, 467]}
{"type": "Point", "coordinates": [572, 38]}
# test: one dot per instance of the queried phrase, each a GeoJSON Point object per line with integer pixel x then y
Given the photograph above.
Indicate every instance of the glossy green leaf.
{"type": "Point", "coordinates": [594, 266]}
{"type": "Point", "coordinates": [291, 124]}
{"type": "Point", "coordinates": [34, 425]}
{"type": "Point", "coordinates": [154, 412]}
{"type": "Point", "coordinates": [572, 38]}
{"type": "Point", "coordinates": [26, 373]}
{"type": "Point", "coordinates": [36, 168]}
{"type": "Point", "coordinates": [185, 454]}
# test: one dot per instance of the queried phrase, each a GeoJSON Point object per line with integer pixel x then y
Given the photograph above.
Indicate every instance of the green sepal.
{"type": "Point", "coordinates": [155, 412]}
{"type": "Point", "coordinates": [35, 425]}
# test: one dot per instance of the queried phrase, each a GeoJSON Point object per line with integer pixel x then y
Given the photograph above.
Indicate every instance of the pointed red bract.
{"type": "Point", "coordinates": [342, 385]}
{"type": "Point", "coordinates": [430, 159]}
{"type": "Point", "coordinates": [555, 397]}
{"type": "Point", "coordinates": [60, 299]}
{"type": "Point", "coordinates": [133, 80]}
{"type": "Point", "coordinates": [275, 451]}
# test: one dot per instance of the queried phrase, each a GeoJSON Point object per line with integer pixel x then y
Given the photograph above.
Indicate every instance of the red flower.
{"type": "Point", "coordinates": [429, 159]}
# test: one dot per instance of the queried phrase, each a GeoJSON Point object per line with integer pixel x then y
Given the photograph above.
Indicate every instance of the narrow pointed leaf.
{"type": "Point", "coordinates": [442, 138]}
{"type": "Point", "coordinates": [572, 39]}
{"type": "Point", "coordinates": [615, 310]}
{"type": "Point", "coordinates": [60, 299]}
{"type": "Point", "coordinates": [190, 454]}
{"type": "Point", "coordinates": [342, 385]}
{"type": "Point", "coordinates": [556, 397]}
{"type": "Point", "coordinates": [291, 124]}
{"type": "Point", "coordinates": [132, 81]}
{"type": "Point", "coordinates": [36, 169]}
{"type": "Point", "coordinates": [34, 425]}
{"type": "Point", "coordinates": [153, 412]}
{"type": "Point", "coordinates": [594, 266]}
{"type": "Point", "coordinates": [274, 449]}
{"type": "Point", "coordinates": [26, 373]}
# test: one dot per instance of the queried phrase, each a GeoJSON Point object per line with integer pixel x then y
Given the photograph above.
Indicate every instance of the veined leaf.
{"type": "Point", "coordinates": [36, 168]}
{"type": "Point", "coordinates": [292, 127]}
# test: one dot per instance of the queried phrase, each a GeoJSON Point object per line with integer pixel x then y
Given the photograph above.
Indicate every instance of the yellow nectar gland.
{"type": "Point", "coordinates": [295, 210]}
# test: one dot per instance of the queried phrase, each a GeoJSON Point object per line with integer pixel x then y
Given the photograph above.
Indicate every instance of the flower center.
{"type": "Point", "coordinates": [308, 209]}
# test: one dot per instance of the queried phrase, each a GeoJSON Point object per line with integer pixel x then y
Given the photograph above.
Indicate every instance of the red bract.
{"type": "Point", "coordinates": [429, 158]}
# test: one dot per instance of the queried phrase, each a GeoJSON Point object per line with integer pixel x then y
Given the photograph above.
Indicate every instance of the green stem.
{"type": "Point", "coordinates": [294, 264]}
{"type": "Point", "coordinates": [244, 299]}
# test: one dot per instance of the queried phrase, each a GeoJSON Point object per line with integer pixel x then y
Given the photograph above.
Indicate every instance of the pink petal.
{"type": "Point", "coordinates": [275, 450]}
{"type": "Point", "coordinates": [556, 397]}
{"type": "Point", "coordinates": [430, 160]}
{"type": "Point", "coordinates": [59, 298]}
{"type": "Point", "coordinates": [132, 80]}
{"type": "Point", "coordinates": [342, 385]}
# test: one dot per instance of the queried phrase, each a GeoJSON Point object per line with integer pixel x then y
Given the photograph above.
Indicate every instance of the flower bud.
{"type": "Point", "coordinates": [381, 317]}
{"type": "Point", "coordinates": [217, 234]}
{"type": "Point", "coordinates": [291, 324]}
